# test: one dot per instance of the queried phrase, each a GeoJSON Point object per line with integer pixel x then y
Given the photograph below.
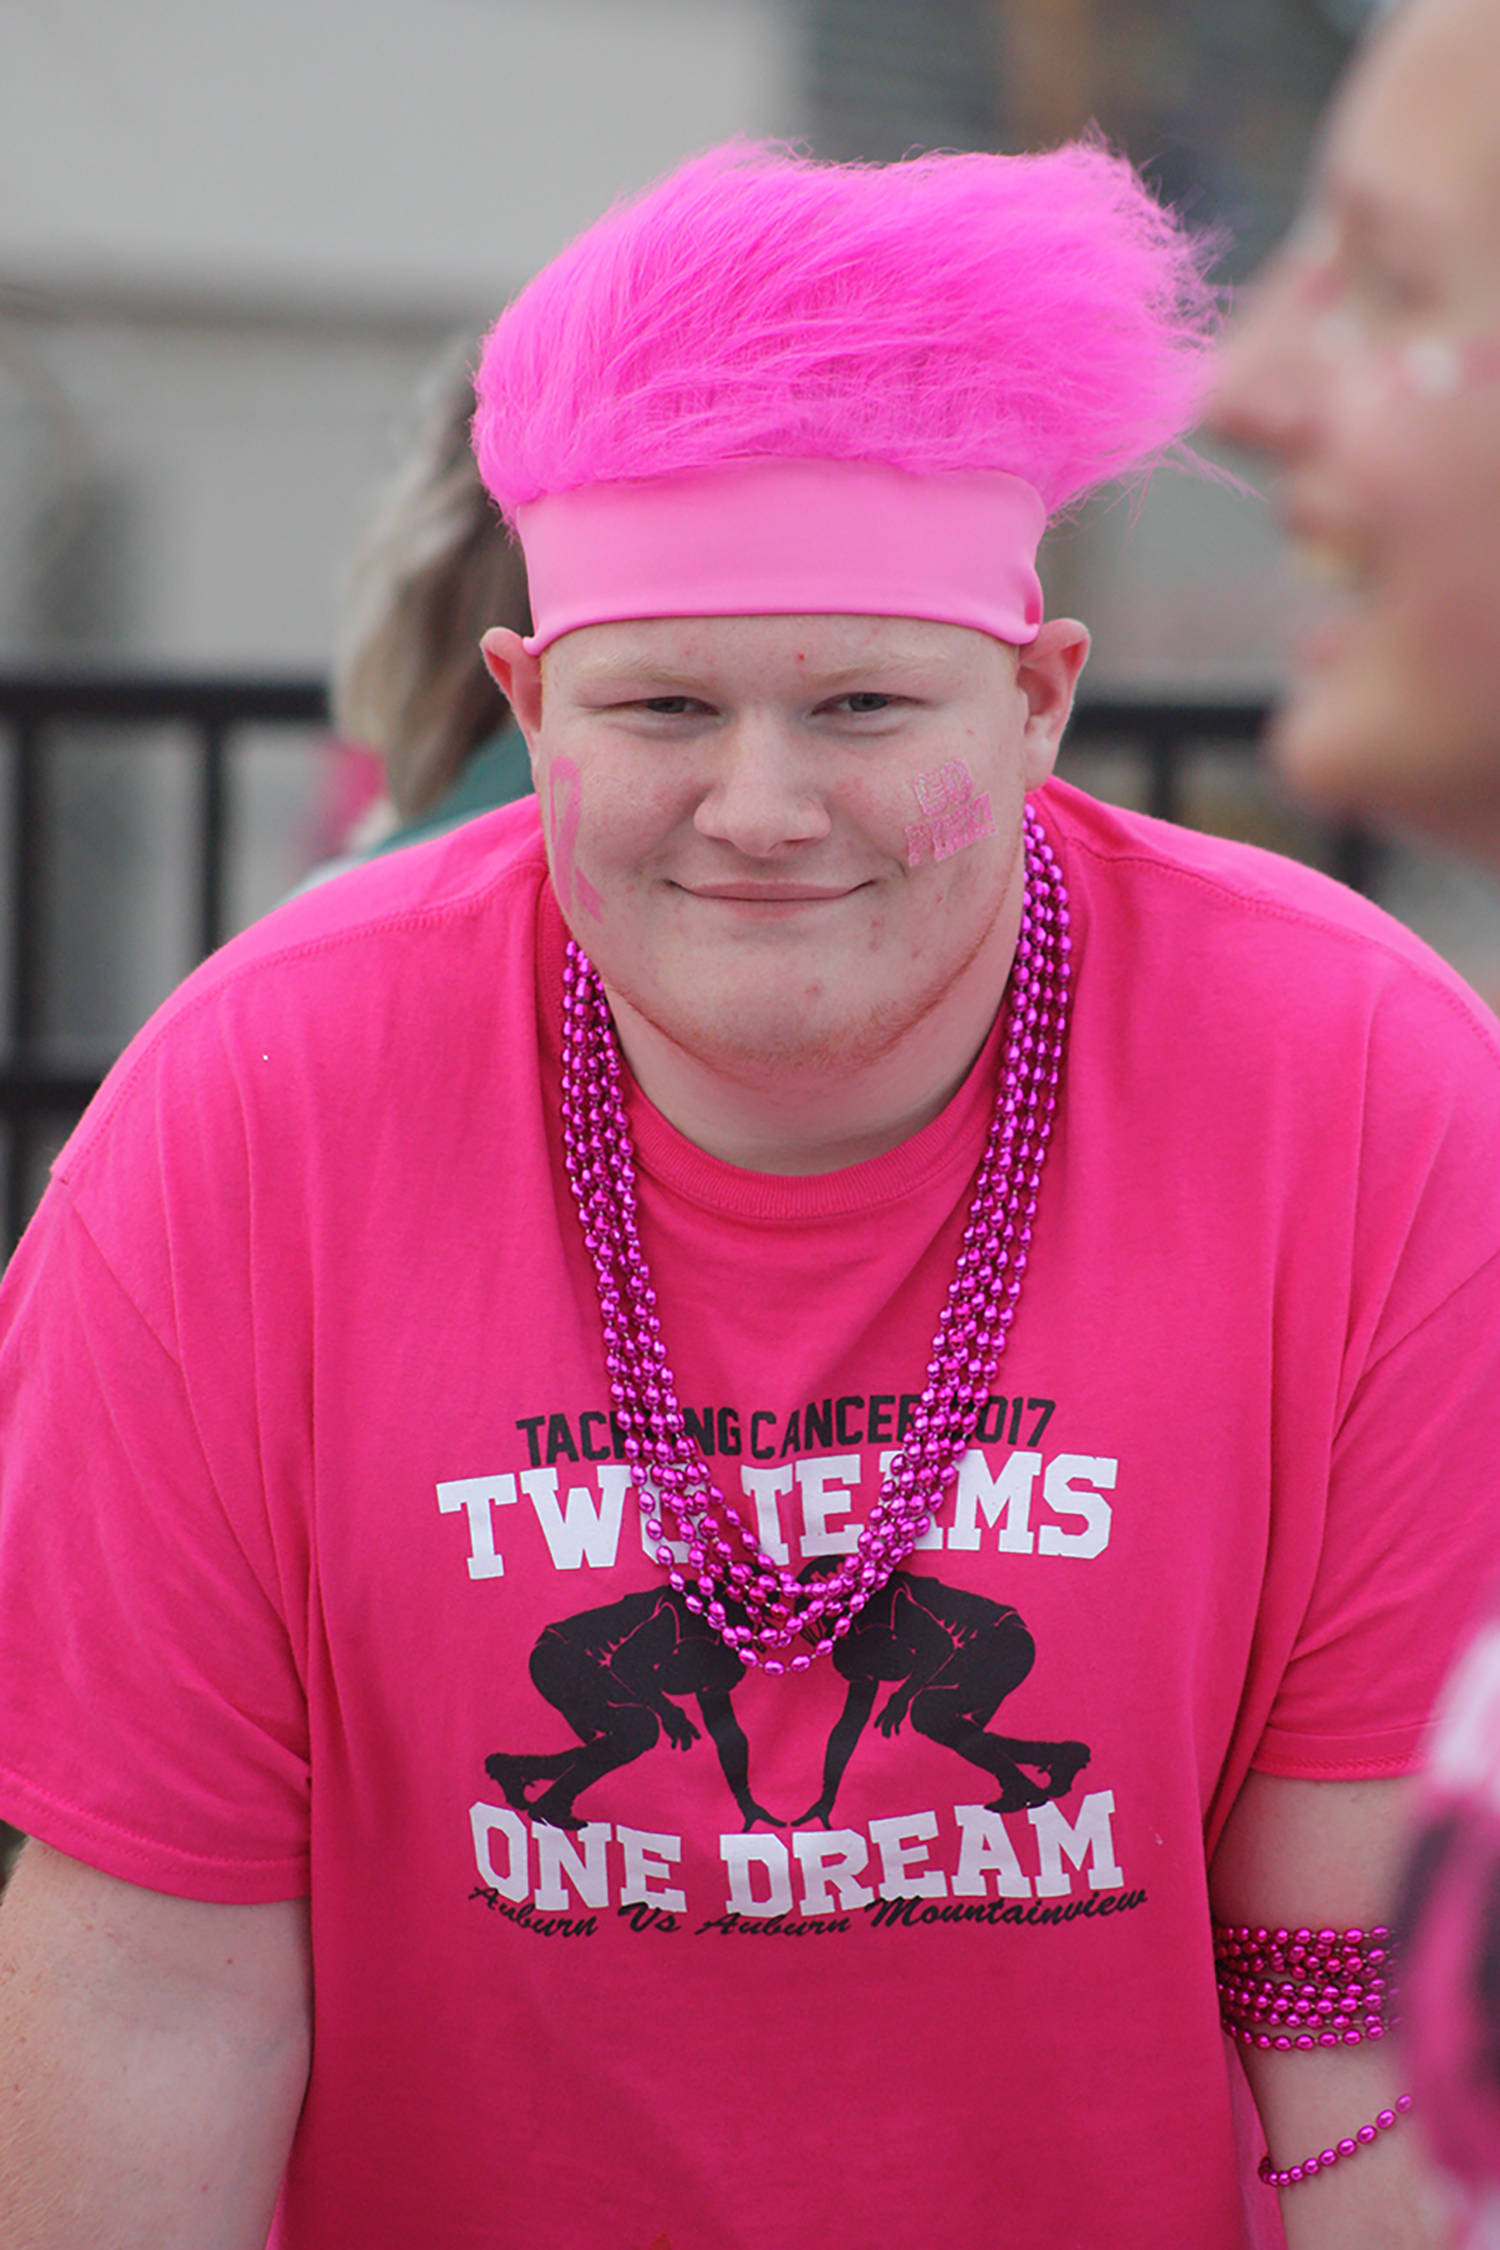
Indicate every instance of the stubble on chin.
{"type": "Point", "coordinates": [769, 1034]}
{"type": "Point", "coordinates": [764, 1047]}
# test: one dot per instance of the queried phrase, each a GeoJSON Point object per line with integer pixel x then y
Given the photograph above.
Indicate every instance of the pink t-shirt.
{"type": "Point", "coordinates": [320, 1567]}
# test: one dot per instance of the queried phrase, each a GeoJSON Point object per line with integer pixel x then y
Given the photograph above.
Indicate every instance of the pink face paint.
{"type": "Point", "coordinates": [573, 887]}
{"type": "Point", "coordinates": [955, 816]}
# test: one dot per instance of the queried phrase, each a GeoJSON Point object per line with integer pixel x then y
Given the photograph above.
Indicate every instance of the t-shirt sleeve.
{"type": "Point", "coordinates": [152, 1718]}
{"type": "Point", "coordinates": [1408, 1530]}
{"type": "Point", "coordinates": [1412, 1528]}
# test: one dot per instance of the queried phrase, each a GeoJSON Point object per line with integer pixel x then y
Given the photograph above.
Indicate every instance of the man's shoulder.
{"type": "Point", "coordinates": [480, 866]}
{"type": "Point", "coordinates": [1188, 871]}
{"type": "Point", "coordinates": [385, 956]}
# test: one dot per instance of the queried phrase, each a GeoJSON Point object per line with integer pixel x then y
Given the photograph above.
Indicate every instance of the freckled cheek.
{"type": "Point", "coordinates": [625, 828]}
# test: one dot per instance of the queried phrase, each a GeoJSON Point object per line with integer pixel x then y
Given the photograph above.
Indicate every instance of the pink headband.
{"type": "Point", "coordinates": [788, 538]}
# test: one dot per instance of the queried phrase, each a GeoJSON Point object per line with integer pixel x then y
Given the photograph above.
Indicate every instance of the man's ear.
{"type": "Point", "coordinates": [518, 676]}
{"type": "Point", "coordinates": [1047, 672]}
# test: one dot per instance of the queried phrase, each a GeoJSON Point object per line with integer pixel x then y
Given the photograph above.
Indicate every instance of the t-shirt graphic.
{"type": "Point", "coordinates": [612, 1673]}
{"type": "Point", "coordinates": [951, 1656]}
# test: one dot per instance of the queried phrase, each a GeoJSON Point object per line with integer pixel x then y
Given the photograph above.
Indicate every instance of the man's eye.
{"type": "Point", "coordinates": [864, 701]}
{"type": "Point", "coordinates": [670, 706]}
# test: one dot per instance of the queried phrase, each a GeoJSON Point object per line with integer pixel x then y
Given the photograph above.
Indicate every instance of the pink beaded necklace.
{"type": "Point", "coordinates": [723, 1564]}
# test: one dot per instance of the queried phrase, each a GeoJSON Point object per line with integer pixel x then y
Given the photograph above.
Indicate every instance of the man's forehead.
{"type": "Point", "coordinates": [812, 643]}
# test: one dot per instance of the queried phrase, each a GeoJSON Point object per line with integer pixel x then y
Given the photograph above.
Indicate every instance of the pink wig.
{"type": "Point", "coordinates": [1040, 315]}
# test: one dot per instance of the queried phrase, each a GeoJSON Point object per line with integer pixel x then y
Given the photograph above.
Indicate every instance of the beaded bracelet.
{"type": "Point", "coordinates": [1300, 1989]}
{"type": "Point", "coordinates": [1325, 2161]}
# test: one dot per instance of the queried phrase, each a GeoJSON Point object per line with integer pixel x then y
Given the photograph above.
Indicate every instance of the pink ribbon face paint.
{"type": "Point", "coordinates": [955, 816]}
{"type": "Point", "coordinates": [564, 812]}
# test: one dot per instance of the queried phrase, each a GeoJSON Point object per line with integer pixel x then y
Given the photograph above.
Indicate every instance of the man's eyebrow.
{"type": "Point", "coordinates": [912, 667]}
{"type": "Point", "coordinates": [612, 671]}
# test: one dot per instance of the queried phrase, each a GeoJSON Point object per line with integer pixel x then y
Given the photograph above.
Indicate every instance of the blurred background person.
{"type": "Point", "coordinates": [1367, 368]}
{"type": "Point", "coordinates": [434, 570]}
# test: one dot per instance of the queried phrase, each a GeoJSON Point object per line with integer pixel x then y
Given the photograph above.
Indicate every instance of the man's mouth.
{"type": "Point", "coordinates": [772, 894]}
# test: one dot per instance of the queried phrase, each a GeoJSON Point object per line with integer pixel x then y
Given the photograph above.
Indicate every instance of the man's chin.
{"type": "Point", "coordinates": [763, 1039]}
{"type": "Point", "coordinates": [756, 1048]}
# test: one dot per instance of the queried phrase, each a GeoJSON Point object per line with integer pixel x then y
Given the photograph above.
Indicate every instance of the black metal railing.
{"type": "Point", "coordinates": [37, 1092]}
{"type": "Point", "coordinates": [39, 1096]}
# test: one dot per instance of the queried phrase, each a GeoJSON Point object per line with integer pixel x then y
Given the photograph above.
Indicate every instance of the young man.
{"type": "Point", "coordinates": [1367, 365]}
{"type": "Point", "coordinates": [709, 1455]}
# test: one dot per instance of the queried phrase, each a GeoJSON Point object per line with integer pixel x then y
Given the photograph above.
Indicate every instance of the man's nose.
{"type": "Point", "coordinates": [766, 791]}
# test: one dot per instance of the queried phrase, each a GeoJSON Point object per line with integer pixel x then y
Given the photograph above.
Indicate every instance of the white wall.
{"type": "Point", "coordinates": [233, 234]}
{"type": "Point", "coordinates": [422, 152]}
